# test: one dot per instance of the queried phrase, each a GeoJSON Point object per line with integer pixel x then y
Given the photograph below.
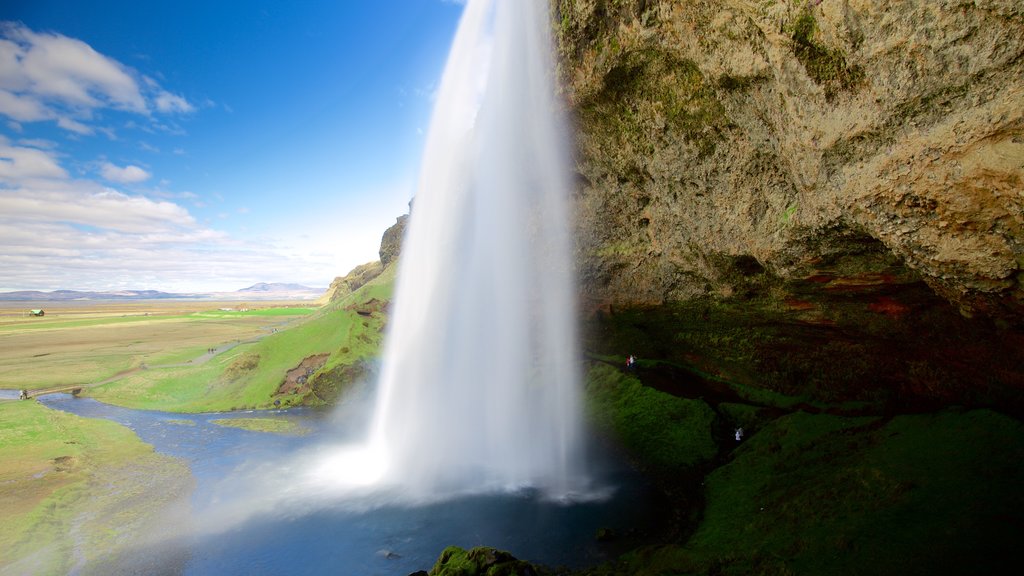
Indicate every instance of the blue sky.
{"type": "Point", "coordinates": [195, 145]}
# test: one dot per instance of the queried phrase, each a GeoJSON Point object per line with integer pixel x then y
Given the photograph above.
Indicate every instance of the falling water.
{"type": "Point", "coordinates": [479, 387]}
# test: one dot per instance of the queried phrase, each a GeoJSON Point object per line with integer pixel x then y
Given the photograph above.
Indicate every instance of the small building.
{"type": "Point", "coordinates": [36, 313]}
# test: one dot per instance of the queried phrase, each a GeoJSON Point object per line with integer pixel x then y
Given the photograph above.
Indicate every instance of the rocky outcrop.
{"type": "Point", "coordinates": [391, 243]}
{"type": "Point", "coordinates": [733, 146]}
{"type": "Point", "coordinates": [390, 248]}
{"type": "Point", "coordinates": [342, 286]}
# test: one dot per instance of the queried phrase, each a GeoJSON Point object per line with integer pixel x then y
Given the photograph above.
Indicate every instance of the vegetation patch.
{"type": "Point", "coordinates": [242, 365]}
{"type": "Point", "coordinates": [668, 435]}
{"type": "Point", "coordinates": [481, 561]}
{"type": "Point", "coordinates": [649, 94]}
{"type": "Point", "coordinates": [271, 425]}
{"type": "Point", "coordinates": [826, 66]}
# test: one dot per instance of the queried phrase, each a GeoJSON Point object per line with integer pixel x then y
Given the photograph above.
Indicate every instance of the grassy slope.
{"type": "Point", "coordinates": [249, 375]}
{"type": "Point", "coordinates": [74, 490]}
{"type": "Point", "coordinates": [667, 435]}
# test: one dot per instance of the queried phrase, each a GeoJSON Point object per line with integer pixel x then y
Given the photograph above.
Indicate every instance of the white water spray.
{"type": "Point", "coordinates": [479, 387]}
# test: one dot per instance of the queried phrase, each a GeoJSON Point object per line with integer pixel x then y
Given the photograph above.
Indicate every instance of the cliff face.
{"type": "Point", "coordinates": [734, 147]}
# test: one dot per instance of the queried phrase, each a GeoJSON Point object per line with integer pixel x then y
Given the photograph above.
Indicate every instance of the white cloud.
{"type": "Point", "coordinates": [73, 126]}
{"type": "Point", "coordinates": [49, 76]}
{"type": "Point", "coordinates": [41, 143]}
{"type": "Point", "coordinates": [167, 102]}
{"type": "Point", "coordinates": [60, 232]}
{"type": "Point", "coordinates": [123, 175]}
{"type": "Point", "coordinates": [23, 108]}
{"type": "Point", "coordinates": [19, 164]}
{"type": "Point", "coordinates": [57, 68]}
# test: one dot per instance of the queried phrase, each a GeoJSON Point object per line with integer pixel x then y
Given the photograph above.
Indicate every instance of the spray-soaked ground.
{"type": "Point", "coordinates": [255, 511]}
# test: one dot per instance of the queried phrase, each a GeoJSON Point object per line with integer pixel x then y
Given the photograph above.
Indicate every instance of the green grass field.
{"type": "Point", "coordinates": [249, 375]}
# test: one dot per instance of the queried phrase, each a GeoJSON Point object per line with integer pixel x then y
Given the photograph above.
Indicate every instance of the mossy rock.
{"type": "Point", "coordinates": [328, 385]}
{"type": "Point", "coordinates": [649, 91]}
{"type": "Point", "coordinates": [826, 66]}
{"type": "Point", "coordinates": [482, 561]}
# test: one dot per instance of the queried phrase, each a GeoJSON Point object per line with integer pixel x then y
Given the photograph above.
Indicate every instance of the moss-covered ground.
{"type": "Point", "coordinates": [819, 494]}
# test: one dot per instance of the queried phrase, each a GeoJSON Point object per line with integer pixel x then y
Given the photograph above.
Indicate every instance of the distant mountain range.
{"type": "Point", "coordinates": [259, 291]}
{"type": "Point", "coordinates": [277, 287]}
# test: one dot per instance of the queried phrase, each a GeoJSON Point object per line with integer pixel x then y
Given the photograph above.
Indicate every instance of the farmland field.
{"type": "Point", "coordinates": [86, 343]}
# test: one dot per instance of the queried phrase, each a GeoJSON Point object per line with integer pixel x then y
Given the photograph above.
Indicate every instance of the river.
{"type": "Point", "coordinates": [282, 532]}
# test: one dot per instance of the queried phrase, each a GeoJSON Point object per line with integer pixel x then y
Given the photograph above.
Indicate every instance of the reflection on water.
{"type": "Point", "coordinates": [254, 514]}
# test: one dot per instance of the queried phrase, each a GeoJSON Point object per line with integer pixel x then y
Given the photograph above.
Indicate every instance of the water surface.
{"type": "Point", "coordinates": [296, 533]}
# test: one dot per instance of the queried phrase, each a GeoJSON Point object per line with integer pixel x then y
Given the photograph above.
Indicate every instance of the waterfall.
{"type": "Point", "coordinates": [480, 381]}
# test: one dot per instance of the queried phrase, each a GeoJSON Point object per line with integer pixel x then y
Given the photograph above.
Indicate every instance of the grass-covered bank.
{"type": "Point", "coordinates": [76, 492]}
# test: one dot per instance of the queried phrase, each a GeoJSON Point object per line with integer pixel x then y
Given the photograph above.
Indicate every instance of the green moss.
{"type": "Point", "coordinates": [621, 248]}
{"type": "Point", "coordinates": [826, 495]}
{"type": "Point", "coordinates": [666, 434]}
{"type": "Point", "coordinates": [731, 83]}
{"type": "Point", "coordinates": [787, 214]}
{"type": "Point", "coordinates": [750, 418]}
{"type": "Point", "coordinates": [481, 561]}
{"type": "Point", "coordinates": [647, 92]}
{"type": "Point", "coordinates": [826, 66]}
